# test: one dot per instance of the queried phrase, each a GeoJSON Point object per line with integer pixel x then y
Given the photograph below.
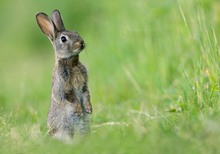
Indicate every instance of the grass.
{"type": "Point", "coordinates": [153, 75]}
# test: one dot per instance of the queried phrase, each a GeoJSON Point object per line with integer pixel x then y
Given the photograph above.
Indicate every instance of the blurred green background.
{"type": "Point", "coordinates": [154, 74]}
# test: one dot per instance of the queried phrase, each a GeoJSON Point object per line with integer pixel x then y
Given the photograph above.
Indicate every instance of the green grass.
{"type": "Point", "coordinates": [153, 75]}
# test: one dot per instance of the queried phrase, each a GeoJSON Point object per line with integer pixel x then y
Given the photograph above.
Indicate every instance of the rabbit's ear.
{"type": "Point", "coordinates": [56, 18]}
{"type": "Point", "coordinates": [46, 25]}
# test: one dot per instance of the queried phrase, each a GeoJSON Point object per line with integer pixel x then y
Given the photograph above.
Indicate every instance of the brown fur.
{"type": "Point", "coordinates": [72, 77]}
{"type": "Point", "coordinates": [70, 98]}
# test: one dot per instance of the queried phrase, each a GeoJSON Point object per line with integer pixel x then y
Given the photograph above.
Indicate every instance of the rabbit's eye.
{"type": "Point", "coordinates": [63, 39]}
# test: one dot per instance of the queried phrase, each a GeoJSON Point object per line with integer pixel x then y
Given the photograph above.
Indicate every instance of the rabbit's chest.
{"type": "Point", "coordinates": [73, 78]}
{"type": "Point", "coordinates": [77, 78]}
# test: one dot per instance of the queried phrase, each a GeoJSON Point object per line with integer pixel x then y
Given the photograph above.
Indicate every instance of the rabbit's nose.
{"type": "Point", "coordinates": [82, 43]}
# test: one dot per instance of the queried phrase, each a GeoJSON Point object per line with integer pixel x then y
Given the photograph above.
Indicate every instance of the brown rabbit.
{"type": "Point", "coordinates": [70, 98]}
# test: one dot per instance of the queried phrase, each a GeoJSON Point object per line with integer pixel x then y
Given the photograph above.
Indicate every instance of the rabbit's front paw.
{"type": "Point", "coordinates": [88, 107]}
{"type": "Point", "coordinates": [78, 109]}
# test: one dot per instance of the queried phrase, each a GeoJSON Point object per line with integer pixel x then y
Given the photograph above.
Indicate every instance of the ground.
{"type": "Point", "coordinates": [153, 75]}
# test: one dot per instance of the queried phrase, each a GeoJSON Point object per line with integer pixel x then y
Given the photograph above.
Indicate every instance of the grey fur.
{"type": "Point", "coordinates": [70, 99]}
{"type": "Point", "coordinates": [56, 17]}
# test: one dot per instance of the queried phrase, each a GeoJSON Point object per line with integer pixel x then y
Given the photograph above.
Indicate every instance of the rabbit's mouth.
{"type": "Point", "coordinates": [78, 46]}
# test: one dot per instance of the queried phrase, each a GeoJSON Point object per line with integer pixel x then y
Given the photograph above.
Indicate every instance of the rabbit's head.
{"type": "Point", "coordinates": [66, 43]}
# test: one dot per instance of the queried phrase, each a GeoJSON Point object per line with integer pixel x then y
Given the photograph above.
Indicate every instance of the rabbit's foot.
{"type": "Point", "coordinates": [78, 109]}
{"type": "Point", "coordinates": [88, 107]}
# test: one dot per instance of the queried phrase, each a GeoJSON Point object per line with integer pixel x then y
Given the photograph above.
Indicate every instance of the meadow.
{"type": "Point", "coordinates": [154, 71]}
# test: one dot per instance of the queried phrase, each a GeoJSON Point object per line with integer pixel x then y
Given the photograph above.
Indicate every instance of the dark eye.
{"type": "Point", "coordinates": [63, 39]}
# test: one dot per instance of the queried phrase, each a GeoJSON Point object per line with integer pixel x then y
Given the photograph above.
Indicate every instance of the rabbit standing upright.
{"type": "Point", "coordinates": [70, 98]}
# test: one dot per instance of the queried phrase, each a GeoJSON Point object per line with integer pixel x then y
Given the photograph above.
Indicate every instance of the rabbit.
{"type": "Point", "coordinates": [70, 104]}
